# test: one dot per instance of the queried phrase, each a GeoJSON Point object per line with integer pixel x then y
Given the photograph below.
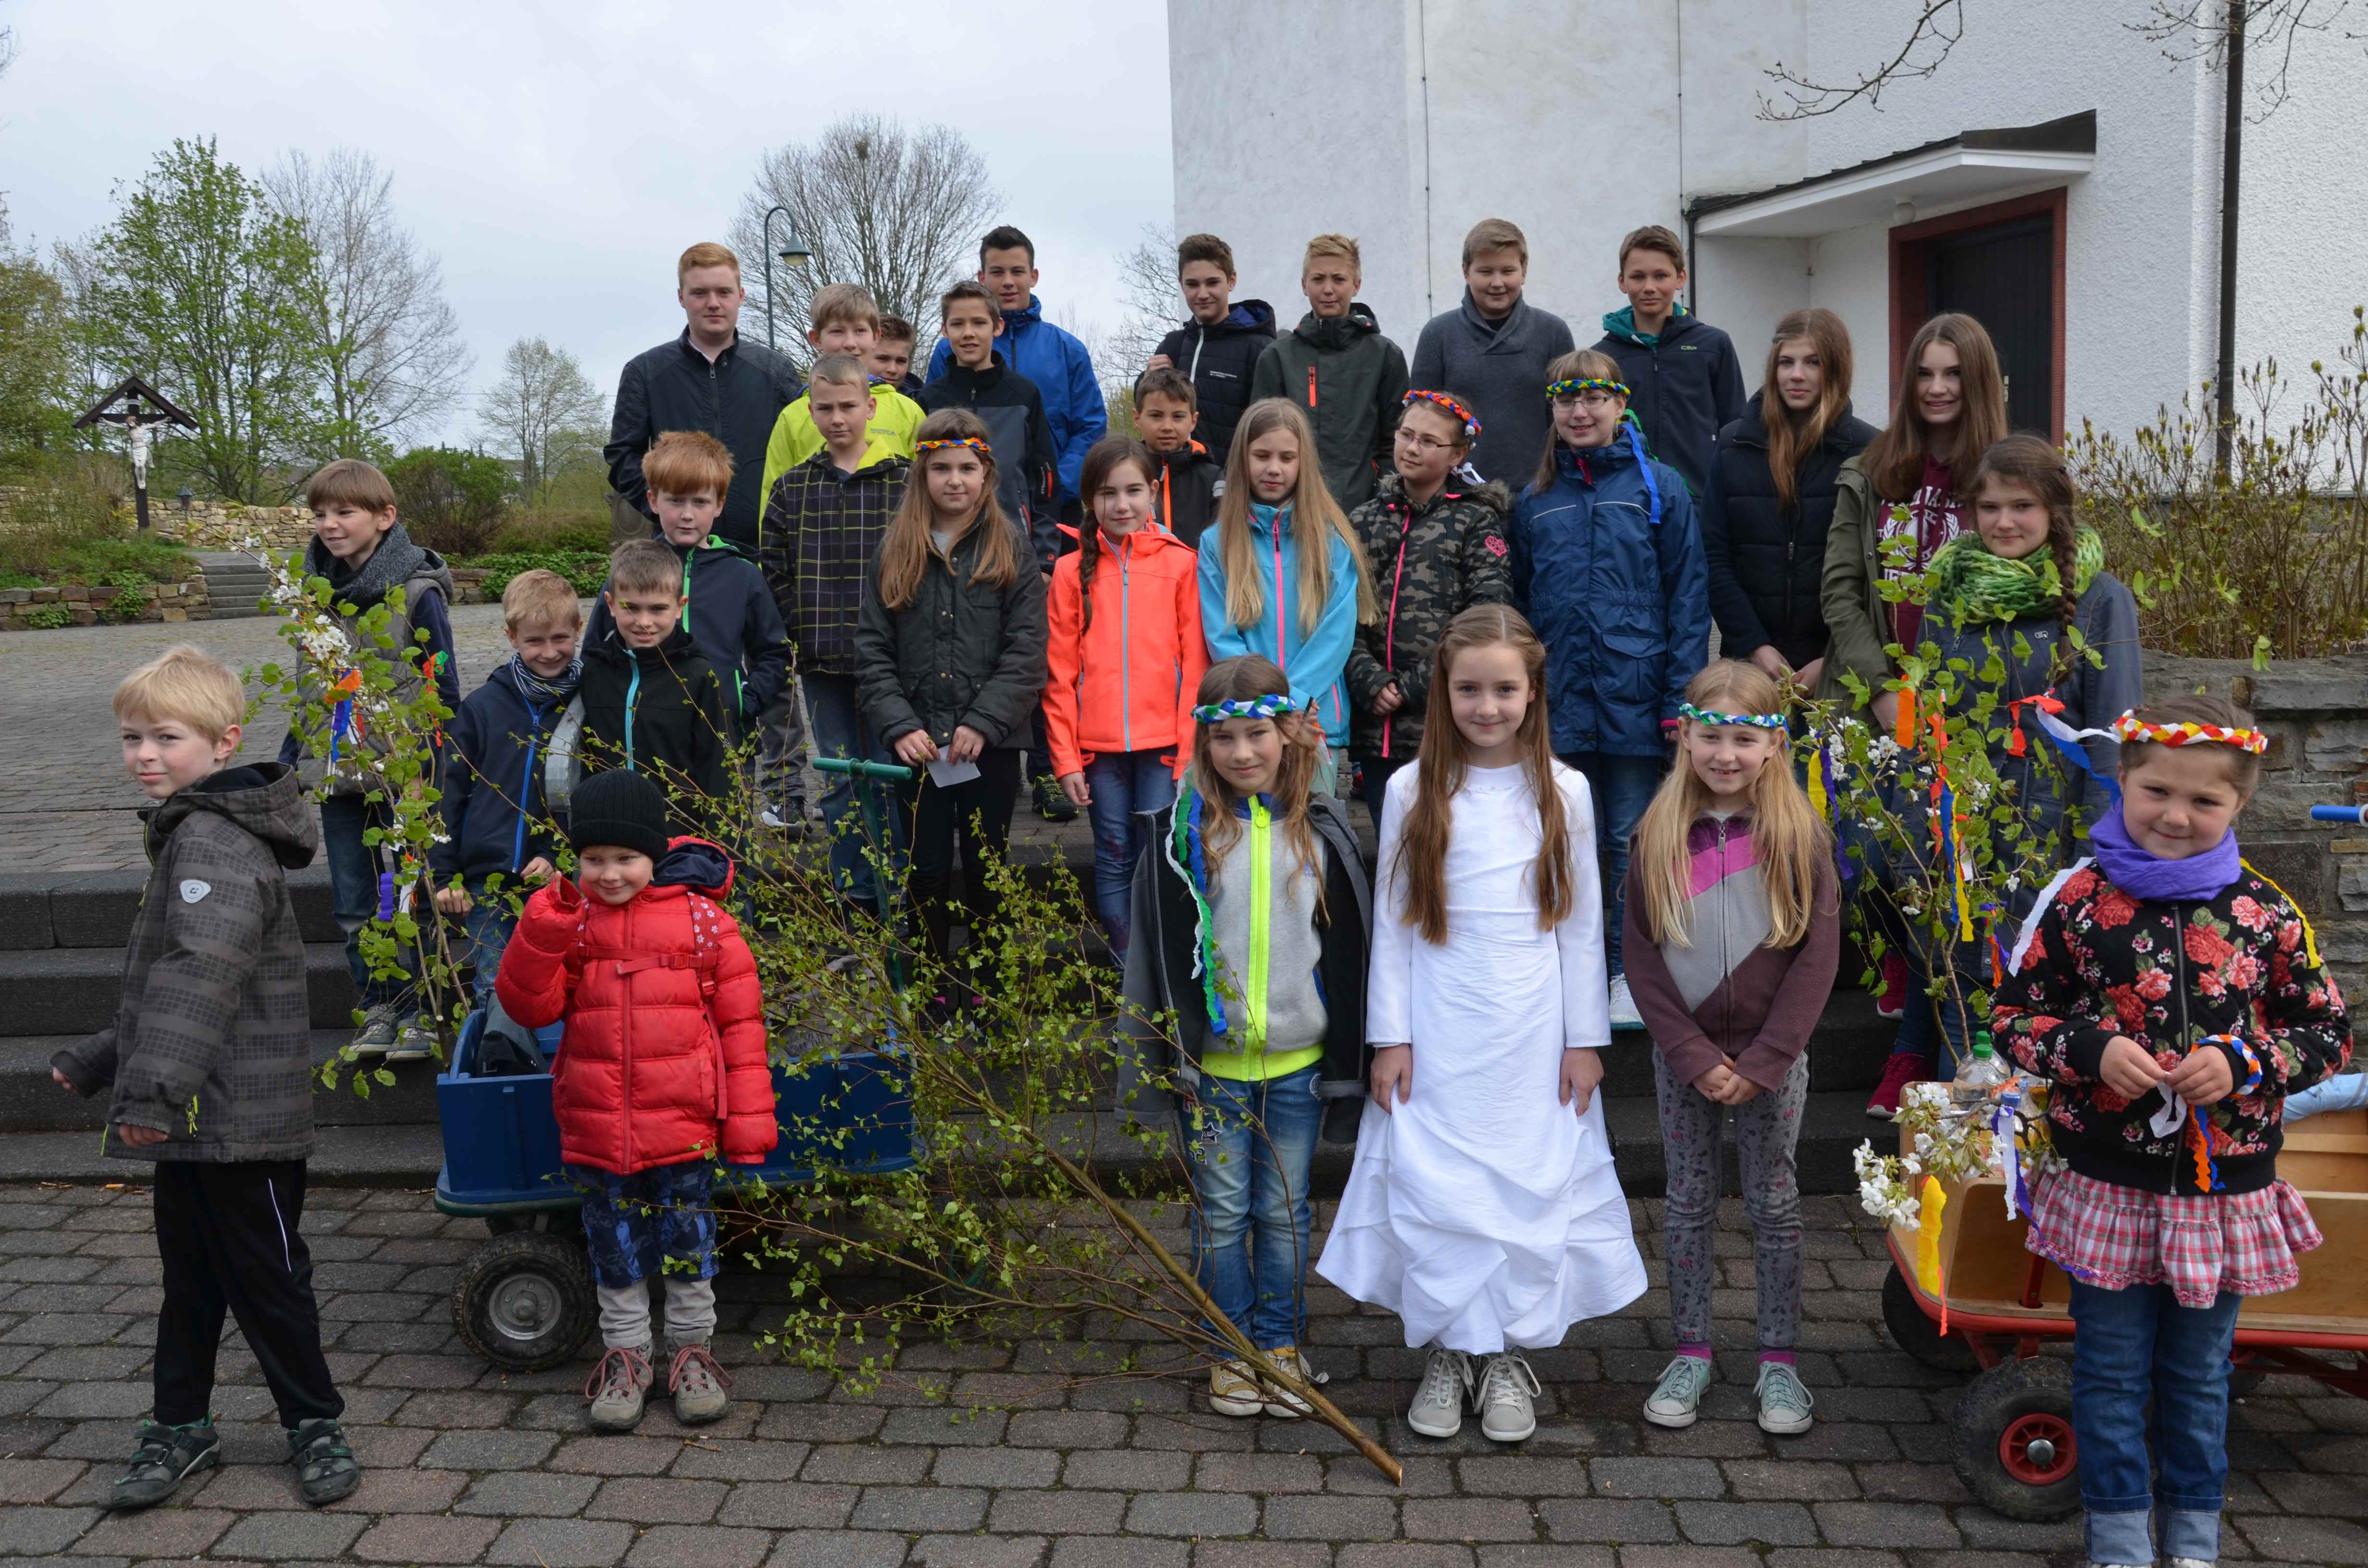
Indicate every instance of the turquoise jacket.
{"type": "Point", "coordinates": [1313, 659]}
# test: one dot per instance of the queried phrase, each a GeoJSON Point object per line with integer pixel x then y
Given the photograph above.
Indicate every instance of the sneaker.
{"type": "Point", "coordinates": [698, 1385]}
{"type": "Point", "coordinates": [1438, 1408]}
{"type": "Point", "coordinates": [787, 818]}
{"type": "Point", "coordinates": [376, 1035]}
{"type": "Point", "coordinates": [1051, 803]}
{"type": "Point", "coordinates": [415, 1039]}
{"type": "Point", "coordinates": [1507, 1412]}
{"type": "Point", "coordinates": [1892, 1000]}
{"type": "Point", "coordinates": [1232, 1392]}
{"type": "Point", "coordinates": [324, 1465]}
{"type": "Point", "coordinates": [1676, 1400]}
{"type": "Point", "coordinates": [166, 1457]}
{"type": "Point", "coordinates": [1784, 1403]}
{"type": "Point", "coordinates": [2192, 1563]}
{"type": "Point", "coordinates": [618, 1388]}
{"type": "Point", "coordinates": [1281, 1404]}
{"type": "Point", "coordinates": [1625, 1015]}
{"type": "Point", "coordinates": [1903, 1069]}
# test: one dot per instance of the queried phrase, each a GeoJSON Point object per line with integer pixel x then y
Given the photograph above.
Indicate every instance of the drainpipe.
{"type": "Point", "coordinates": [2232, 147]}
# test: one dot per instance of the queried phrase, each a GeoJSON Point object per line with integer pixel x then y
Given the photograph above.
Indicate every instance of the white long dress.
{"type": "Point", "coordinates": [1482, 1210]}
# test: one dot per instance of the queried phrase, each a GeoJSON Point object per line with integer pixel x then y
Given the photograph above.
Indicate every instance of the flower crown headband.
{"type": "Point", "coordinates": [1571, 389]}
{"type": "Point", "coordinates": [1271, 706]}
{"type": "Point", "coordinates": [2130, 727]}
{"type": "Point", "coordinates": [1705, 716]}
{"type": "Point", "coordinates": [1446, 402]}
{"type": "Point", "coordinates": [972, 442]}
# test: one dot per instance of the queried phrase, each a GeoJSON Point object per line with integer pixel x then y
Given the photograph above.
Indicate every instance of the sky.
{"type": "Point", "coordinates": [558, 156]}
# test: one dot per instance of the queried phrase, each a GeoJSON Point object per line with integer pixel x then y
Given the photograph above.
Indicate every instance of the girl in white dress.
{"type": "Point", "coordinates": [1483, 1208]}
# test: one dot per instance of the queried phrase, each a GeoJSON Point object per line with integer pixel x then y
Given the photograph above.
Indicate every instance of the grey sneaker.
{"type": "Point", "coordinates": [414, 1040]}
{"type": "Point", "coordinates": [1438, 1408]}
{"type": "Point", "coordinates": [1784, 1404]}
{"type": "Point", "coordinates": [166, 1457]}
{"type": "Point", "coordinates": [1507, 1385]}
{"type": "Point", "coordinates": [698, 1385]}
{"type": "Point", "coordinates": [1623, 1006]}
{"type": "Point", "coordinates": [376, 1035]}
{"type": "Point", "coordinates": [618, 1388]}
{"type": "Point", "coordinates": [1280, 1403]}
{"type": "Point", "coordinates": [1675, 1401]}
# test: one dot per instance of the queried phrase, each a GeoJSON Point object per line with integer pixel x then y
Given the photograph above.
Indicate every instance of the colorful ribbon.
{"type": "Point", "coordinates": [1573, 388]}
{"type": "Point", "coordinates": [1448, 402]}
{"type": "Point", "coordinates": [1705, 716]}
{"type": "Point", "coordinates": [343, 721]}
{"type": "Point", "coordinates": [2130, 727]}
{"type": "Point", "coordinates": [972, 442]}
{"type": "Point", "coordinates": [1272, 706]}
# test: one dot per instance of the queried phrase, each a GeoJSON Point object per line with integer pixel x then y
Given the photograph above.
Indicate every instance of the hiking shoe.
{"type": "Point", "coordinates": [1231, 1390]}
{"type": "Point", "coordinates": [1625, 1015]}
{"type": "Point", "coordinates": [787, 818]}
{"type": "Point", "coordinates": [1891, 1002]}
{"type": "Point", "coordinates": [1676, 1400]}
{"type": "Point", "coordinates": [1438, 1408]}
{"type": "Point", "coordinates": [1784, 1404]}
{"type": "Point", "coordinates": [415, 1039]}
{"type": "Point", "coordinates": [618, 1388]}
{"type": "Point", "coordinates": [166, 1457]}
{"type": "Point", "coordinates": [376, 1035]}
{"type": "Point", "coordinates": [1280, 1403]}
{"type": "Point", "coordinates": [1507, 1387]}
{"type": "Point", "coordinates": [1903, 1069]}
{"type": "Point", "coordinates": [324, 1465]}
{"type": "Point", "coordinates": [698, 1385]}
{"type": "Point", "coordinates": [1051, 804]}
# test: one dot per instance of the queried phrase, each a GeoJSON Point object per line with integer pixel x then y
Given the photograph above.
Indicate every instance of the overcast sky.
{"type": "Point", "coordinates": [558, 156]}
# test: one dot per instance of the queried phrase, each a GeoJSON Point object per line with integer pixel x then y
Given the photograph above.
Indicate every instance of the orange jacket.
{"type": "Point", "coordinates": [1126, 683]}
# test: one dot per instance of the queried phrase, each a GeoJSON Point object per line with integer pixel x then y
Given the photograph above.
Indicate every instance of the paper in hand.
{"type": "Point", "coordinates": [946, 774]}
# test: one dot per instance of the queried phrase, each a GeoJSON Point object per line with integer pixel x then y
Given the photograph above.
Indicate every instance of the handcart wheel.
{"type": "Point", "coordinates": [1917, 1335]}
{"type": "Point", "coordinates": [524, 1301]}
{"type": "Point", "coordinates": [542, 1220]}
{"type": "Point", "coordinates": [2015, 1447]}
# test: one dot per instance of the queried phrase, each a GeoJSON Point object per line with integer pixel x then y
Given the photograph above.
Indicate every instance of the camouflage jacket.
{"type": "Point", "coordinates": [1430, 564]}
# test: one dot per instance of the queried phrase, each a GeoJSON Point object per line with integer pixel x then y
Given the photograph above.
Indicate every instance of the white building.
{"type": "Point", "coordinates": [2058, 178]}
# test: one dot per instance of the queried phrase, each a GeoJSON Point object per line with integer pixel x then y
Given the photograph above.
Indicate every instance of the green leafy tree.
{"type": "Point", "coordinates": [451, 500]}
{"type": "Point", "coordinates": [200, 287]}
{"type": "Point", "coordinates": [36, 359]}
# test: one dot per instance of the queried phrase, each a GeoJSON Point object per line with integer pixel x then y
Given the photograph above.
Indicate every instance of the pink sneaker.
{"type": "Point", "coordinates": [1893, 1000]}
{"type": "Point", "coordinates": [1897, 1073]}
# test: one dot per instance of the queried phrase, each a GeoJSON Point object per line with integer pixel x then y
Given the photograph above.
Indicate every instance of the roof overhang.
{"type": "Point", "coordinates": [1965, 167]}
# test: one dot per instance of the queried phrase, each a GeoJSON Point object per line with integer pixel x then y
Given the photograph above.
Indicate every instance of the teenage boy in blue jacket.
{"type": "Point", "coordinates": [1684, 378]}
{"type": "Point", "coordinates": [498, 756]}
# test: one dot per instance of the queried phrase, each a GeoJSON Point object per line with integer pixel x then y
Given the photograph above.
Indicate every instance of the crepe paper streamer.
{"type": "Point", "coordinates": [1196, 877]}
{"type": "Point", "coordinates": [2022, 939]}
{"type": "Point", "coordinates": [2130, 727]}
{"type": "Point", "coordinates": [1928, 1247]}
{"type": "Point", "coordinates": [1906, 732]}
{"type": "Point", "coordinates": [386, 895]}
{"type": "Point", "coordinates": [342, 721]}
{"type": "Point", "coordinates": [2310, 936]}
{"type": "Point", "coordinates": [1705, 716]}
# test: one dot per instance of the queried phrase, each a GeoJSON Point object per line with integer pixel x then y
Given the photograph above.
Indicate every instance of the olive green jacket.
{"type": "Point", "coordinates": [1857, 619]}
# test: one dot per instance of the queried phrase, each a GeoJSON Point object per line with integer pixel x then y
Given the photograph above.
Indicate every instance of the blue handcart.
{"type": "Point", "coordinates": [524, 1298]}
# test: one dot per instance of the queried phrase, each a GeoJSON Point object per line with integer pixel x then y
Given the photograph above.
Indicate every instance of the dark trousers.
{"type": "Point", "coordinates": [973, 818]}
{"type": "Point", "coordinates": [230, 1242]}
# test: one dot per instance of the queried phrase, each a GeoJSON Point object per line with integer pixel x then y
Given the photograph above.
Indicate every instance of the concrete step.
{"type": "Point", "coordinates": [95, 909]}
{"type": "Point", "coordinates": [75, 990]}
{"type": "Point", "coordinates": [235, 584]}
{"type": "Point", "coordinates": [406, 1157]}
{"type": "Point", "coordinates": [30, 1102]}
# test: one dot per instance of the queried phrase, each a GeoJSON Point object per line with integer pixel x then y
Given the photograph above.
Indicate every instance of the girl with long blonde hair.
{"type": "Point", "coordinates": [1281, 574]}
{"type": "Point", "coordinates": [1483, 1208]}
{"type": "Point", "coordinates": [1734, 935]}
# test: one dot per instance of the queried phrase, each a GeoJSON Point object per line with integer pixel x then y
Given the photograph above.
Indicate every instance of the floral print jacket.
{"type": "Point", "coordinates": [2167, 975]}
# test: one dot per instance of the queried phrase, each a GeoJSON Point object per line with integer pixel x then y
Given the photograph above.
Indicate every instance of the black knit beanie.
{"type": "Point", "coordinates": [620, 809]}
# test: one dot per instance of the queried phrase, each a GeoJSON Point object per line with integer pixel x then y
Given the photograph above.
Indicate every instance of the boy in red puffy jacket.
{"type": "Point", "coordinates": [662, 1072]}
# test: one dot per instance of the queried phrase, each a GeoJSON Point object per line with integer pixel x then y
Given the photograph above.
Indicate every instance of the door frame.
{"type": "Point", "coordinates": [1911, 252]}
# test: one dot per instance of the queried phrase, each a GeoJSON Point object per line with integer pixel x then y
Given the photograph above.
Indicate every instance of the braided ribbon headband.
{"type": "Point", "coordinates": [972, 442]}
{"type": "Point", "coordinates": [1705, 716]}
{"type": "Point", "coordinates": [2130, 727]}
{"type": "Point", "coordinates": [1471, 420]}
{"type": "Point", "coordinates": [1568, 389]}
{"type": "Point", "coordinates": [1248, 708]}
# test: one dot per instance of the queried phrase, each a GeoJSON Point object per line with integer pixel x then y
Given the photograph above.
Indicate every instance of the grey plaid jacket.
{"type": "Point", "coordinates": [821, 531]}
{"type": "Point", "coordinates": [209, 1044]}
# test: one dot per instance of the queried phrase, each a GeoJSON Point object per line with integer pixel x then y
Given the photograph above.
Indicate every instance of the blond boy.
{"type": "Point", "coordinates": [1337, 364]}
{"type": "Point", "coordinates": [846, 320]}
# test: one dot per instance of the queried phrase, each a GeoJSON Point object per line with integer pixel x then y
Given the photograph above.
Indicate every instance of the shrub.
{"type": "Point", "coordinates": [48, 618]}
{"type": "Point", "coordinates": [585, 569]}
{"type": "Point", "coordinates": [528, 529]}
{"type": "Point", "coordinates": [2270, 556]}
{"type": "Point", "coordinates": [64, 504]}
{"type": "Point", "coordinates": [451, 500]}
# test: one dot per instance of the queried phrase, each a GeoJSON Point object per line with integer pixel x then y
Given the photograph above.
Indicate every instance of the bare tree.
{"type": "Point", "coordinates": [1938, 28]}
{"type": "Point", "coordinates": [538, 413]}
{"type": "Point", "coordinates": [900, 213]}
{"type": "Point", "coordinates": [2266, 30]}
{"type": "Point", "coordinates": [1154, 301]}
{"type": "Point", "coordinates": [390, 346]}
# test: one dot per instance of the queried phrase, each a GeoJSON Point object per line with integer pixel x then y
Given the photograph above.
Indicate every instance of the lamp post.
{"type": "Point", "coordinates": [793, 253]}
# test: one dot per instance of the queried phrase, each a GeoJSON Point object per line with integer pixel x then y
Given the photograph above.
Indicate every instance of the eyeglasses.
{"type": "Point", "coordinates": [1593, 400]}
{"type": "Point", "coordinates": [1425, 443]}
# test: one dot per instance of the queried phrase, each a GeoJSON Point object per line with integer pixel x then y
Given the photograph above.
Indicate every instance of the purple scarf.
{"type": "Point", "coordinates": [2146, 875]}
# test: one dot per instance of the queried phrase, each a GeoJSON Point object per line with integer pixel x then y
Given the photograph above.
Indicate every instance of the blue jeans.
{"type": "Point", "coordinates": [1373, 775]}
{"type": "Point", "coordinates": [488, 925]}
{"type": "Point", "coordinates": [1250, 1145]}
{"type": "Point", "coordinates": [1621, 787]}
{"type": "Point", "coordinates": [2138, 1344]}
{"type": "Point", "coordinates": [353, 890]}
{"type": "Point", "coordinates": [840, 730]}
{"type": "Point", "coordinates": [1122, 782]}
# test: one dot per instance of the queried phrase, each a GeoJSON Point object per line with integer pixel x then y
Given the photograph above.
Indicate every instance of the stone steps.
{"type": "Point", "coordinates": [236, 582]}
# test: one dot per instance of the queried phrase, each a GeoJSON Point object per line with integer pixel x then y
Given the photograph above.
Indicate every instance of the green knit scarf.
{"type": "Point", "coordinates": [1977, 586]}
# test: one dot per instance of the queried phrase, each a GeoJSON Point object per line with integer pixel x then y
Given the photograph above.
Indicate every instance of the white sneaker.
{"type": "Point", "coordinates": [1625, 1015]}
{"type": "Point", "coordinates": [1438, 1408]}
{"type": "Point", "coordinates": [1507, 1415]}
{"type": "Point", "coordinates": [1784, 1404]}
{"type": "Point", "coordinates": [1231, 1390]}
{"type": "Point", "coordinates": [1280, 1403]}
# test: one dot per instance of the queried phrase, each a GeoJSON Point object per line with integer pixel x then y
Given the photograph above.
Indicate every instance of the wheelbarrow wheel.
{"type": "Point", "coordinates": [524, 1301]}
{"type": "Point", "coordinates": [1917, 1335]}
{"type": "Point", "coordinates": [2015, 1448]}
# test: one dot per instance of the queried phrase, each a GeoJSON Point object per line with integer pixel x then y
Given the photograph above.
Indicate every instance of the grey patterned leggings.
{"type": "Point", "coordinates": [1765, 1132]}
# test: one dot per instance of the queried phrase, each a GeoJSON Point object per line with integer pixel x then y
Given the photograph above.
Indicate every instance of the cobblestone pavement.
{"type": "Point", "coordinates": [465, 1465]}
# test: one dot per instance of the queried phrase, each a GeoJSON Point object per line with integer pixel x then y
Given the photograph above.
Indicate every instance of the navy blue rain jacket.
{"type": "Point", "coordinates": [494, 749]}
{"type": "Point", "coordinates": [1064, 374]}
{"type": "Point", "coordinates": [728, 610]}
{"type": "Point", "coordinates": [1607, 565]}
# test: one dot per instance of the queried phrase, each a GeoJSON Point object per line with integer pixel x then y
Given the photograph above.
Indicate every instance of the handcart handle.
{"type": "Point", "coordinates": [856, 768]}
{"type": "Point", "coordinates": [2339, 814]}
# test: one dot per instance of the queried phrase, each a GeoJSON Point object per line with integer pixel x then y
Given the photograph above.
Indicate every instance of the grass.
{"type": "Point", "coordinates": [64, 527]}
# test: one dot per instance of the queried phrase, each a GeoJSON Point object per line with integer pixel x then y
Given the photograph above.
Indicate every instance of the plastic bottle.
{"type": "Point", "coordinates": [1979, 1075]}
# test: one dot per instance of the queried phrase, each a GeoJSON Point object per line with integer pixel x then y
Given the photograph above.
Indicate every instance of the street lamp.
{"type": "Point", "coordinates": [793, 253]}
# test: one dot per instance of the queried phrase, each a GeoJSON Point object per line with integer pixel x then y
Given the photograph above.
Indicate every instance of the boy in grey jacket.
{"type": "Point", "coordinates": [209, 1062]}
{"type": "Point", "coordinates": [1492, 351]}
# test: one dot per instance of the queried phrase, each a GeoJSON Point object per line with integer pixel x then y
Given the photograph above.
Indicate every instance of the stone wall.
{"type": "Point", "coordinates": [87, 605]}
{"type": "Point", "coordinates": [2317, 714]}
{"type": "Point", "coordinates": [227, 525]}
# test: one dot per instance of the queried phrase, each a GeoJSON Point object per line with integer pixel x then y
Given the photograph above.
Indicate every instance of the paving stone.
{"type": "Point", "coordinates": [789, 1505]}
{"type": "Point", "coordinates": [1735, 1524]}
{"type": "Point", "coordinates": [943, 1427]}
{"type": "Point", "coordinates": [1065, 1429]}
{"type": "Point", "coordinates": [1057, 1514]}
{"type": "Point", "coordinates": [1658, 1478]}
{"type": "Point", "coordinates": [156, 1533]}
{"type": "Point", "coordinates": [403, 1491]}
{"type": "Point", "coordinates": [1131, 1469]}
{"type": "Point", "coordinates": [837, 1549]}
{"type": "Point", "coordinates": [616, 1456]}
{"type": "Point", "coordinates": [562, 1543]}
{"type": "Point", "coordinates": [1103, 1553]}
{"type": "Point", "coordinates": [2306, 1540]}
{"type": "Point", "coordinates": [1264, 1474]}
{"type": "Point", "coordinates": [1589, 1519]}
{"type": "Point", "coordinates": [1521, 1476]}
{"type": "Point", "coordinates": [490, 1451]}
{"type": "Point", "coordinates": [979, 1551]}
{"type": "Point", "coordinates": [995, 1467]}
{"type": "Point", "coordinates": [37, 1481]}
{"type": "Point", "coordinates": [1689, 1557]}
{"type": "Point", "coordinates": [285, 1537]}
{"type": "Point", "coordinates": [1261, 1555]}
{"type": "Point", "coordinates": [657, 1500]}
{"type": "Point", "coordinates": [1404, 1554]}
{"type": "Point", "coordinates": [913, 1508]}
{"type": "Point", "coordinates": [1331, 1519]}
{"type": "Point", "coordinates": [1884, 1524]}
{"type": "Point", "coordinates": [425, 1537]}
{"type": "Point", "coordinates": [507, 1494]}
{"type": "Point", "coordinates": [866, 1463]}
{"type": "Point", "coordinates": [700, 1546]}
{"type": "Point", "coordinates": [1530, 1556]}
{"type": "Point", "coordinates": [741, 1459]}
{"type": "Point", "coordinates": [1458, 1518]}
